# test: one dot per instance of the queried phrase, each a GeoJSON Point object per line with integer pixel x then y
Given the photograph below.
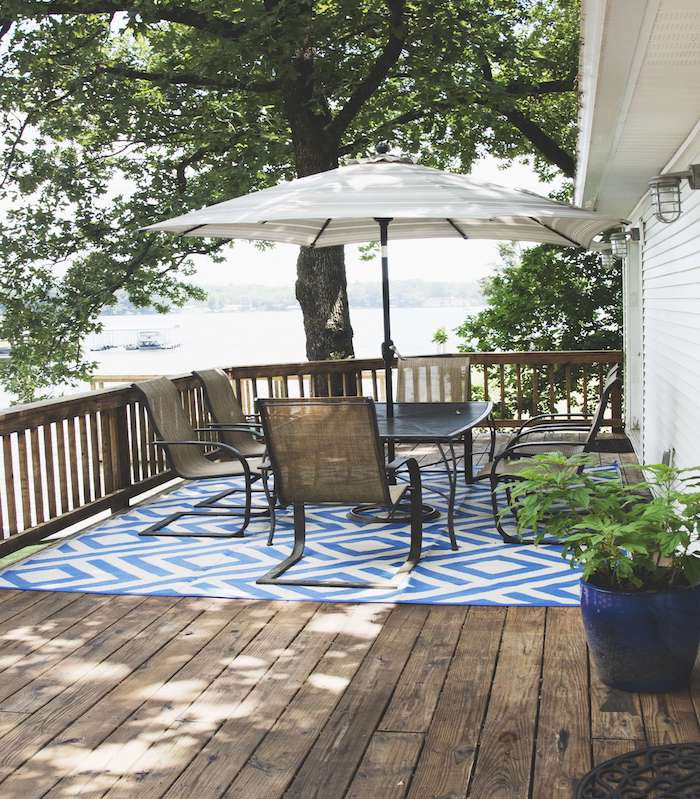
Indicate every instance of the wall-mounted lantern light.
{"type": "Point", "coordinates": [665, 192]}
{"type": "Point", "coordinates": [618, 244]}
{"type": "Point", "coordinates": [618, 241]}
{"type": "Point", "coordinates": [608, 260]}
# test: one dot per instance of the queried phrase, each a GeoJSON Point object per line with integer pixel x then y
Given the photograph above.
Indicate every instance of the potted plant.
{"type": "Point", "coordinates": [639, 551]}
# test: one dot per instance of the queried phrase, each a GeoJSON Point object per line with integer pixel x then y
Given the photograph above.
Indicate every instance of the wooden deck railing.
{"type": "Point", "coordinates": [64, 461]}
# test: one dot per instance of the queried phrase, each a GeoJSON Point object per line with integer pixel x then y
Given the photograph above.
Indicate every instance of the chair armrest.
{"type": "Point", "coordinates": [254, 430]}
{"type": "Point", "coordinates": [529, 445]}
{"type": "Point", "coordinates": [552, 428]}
{"type": "Point", "coordinates": [397, 463]}
{"type": "Point", "coordinates": [237, 455]}
{"type": "Point", "coordinates": [542, 418]}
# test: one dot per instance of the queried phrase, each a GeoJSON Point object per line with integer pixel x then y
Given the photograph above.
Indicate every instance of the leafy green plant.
{"type": "Point", "coordinates": [440, 336]}
{"type": "Point", "coordinates": [626, 537]}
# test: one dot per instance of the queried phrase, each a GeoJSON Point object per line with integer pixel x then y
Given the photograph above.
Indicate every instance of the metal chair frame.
{"type": "Point", "coordinates": [205, 508]}
{"type": "Point", "coordinates": [252, 428]}
{"type": "Point", "coordinates": [274, 576]}
{"type": "Point", "coordinates": [519, 447]}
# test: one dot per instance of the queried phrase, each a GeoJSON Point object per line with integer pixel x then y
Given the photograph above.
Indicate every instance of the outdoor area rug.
{"type": "Point", "coordinates": [112, 558]}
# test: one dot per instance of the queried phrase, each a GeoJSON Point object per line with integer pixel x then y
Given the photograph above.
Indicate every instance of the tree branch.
{"type": "Point", "coordinates": [520, 89]}
{"type": "Point", "coordinates": [529, 129]}
{"type": "Point", "coordinates": [188, 79]}
{"type": "Point", "coordinates": [168, 12]}
{"type": "Point", "coordinates": [378, 71]}
{"type": "Point", "coordinates": [5, 25]}
{"type": "Point", "coordinates": [385, 127]}
{"type": "Point", "coordinates": [541, 141]}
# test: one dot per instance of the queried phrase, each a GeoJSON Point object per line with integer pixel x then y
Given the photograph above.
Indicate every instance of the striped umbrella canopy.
{"type": "Point", "coordinates": [383, 194]}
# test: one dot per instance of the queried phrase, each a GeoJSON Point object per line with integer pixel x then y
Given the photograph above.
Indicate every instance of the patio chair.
{"type": "Point", "coordinates": [550, 426]}
{"type": "Point", "coordinates": [328, 451]}
{"type": "Point", "coordinates": [426, 378]}
{"type": "Point", "coordinates": [188, 460]}
{"type": "Point", "coordinates": [543, 434]}
{"type": "Point", "coordinates": [233, 428]}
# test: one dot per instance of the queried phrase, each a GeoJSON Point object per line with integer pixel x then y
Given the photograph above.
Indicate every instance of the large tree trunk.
{"type": "Point", "coordinates": [321, 290]}
{"type": "Point", "coordinates": [321, 286]}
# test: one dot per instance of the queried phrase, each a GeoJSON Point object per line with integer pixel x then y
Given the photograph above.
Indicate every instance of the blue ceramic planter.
{"type": "Point", "coordinates": [645, 641]}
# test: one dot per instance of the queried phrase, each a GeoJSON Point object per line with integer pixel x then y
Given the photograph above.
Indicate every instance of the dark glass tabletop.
{"type": "Point", "coordinates": [431, 422]}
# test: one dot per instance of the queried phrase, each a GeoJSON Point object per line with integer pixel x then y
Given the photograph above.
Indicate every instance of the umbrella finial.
{"type": "Point", "coordinates": [382, 148]}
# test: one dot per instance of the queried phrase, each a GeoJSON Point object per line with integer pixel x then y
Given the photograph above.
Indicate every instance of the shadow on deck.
{"type": "Point", "coordinates": [126, 696]}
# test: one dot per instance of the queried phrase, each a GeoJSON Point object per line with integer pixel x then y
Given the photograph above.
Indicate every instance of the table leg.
{"type": "Point", "coordinates": [452, 470]}
{"type": "Point", "coordinates": [468, 457]}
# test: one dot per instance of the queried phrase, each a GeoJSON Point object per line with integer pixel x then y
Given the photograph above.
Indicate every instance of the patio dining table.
{"type": "Point", "coordinates": [444, 424]}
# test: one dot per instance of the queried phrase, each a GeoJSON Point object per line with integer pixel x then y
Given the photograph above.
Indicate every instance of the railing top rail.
{"type": "Point", "coordinates": [37, 413]}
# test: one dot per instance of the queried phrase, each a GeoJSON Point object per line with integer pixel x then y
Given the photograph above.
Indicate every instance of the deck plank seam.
{"type": "Point", "coordinates": [487, 704]}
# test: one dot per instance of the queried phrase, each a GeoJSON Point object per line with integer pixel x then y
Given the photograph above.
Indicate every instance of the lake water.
{"type": "Point", "coordinates": [256, 337]}
{"type": "Point", "coordinates": [239, 338]}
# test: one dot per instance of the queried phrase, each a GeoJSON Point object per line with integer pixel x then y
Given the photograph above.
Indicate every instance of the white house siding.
{"type": "Point", "coordinates": [670, 272]}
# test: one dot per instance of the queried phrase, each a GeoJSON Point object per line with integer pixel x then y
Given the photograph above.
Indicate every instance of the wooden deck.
{"type": "Point", "coordinates": [163, 697]}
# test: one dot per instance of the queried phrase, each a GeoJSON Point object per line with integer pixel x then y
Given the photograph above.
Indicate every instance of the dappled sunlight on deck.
{"type": "Point", "coordinates": [130, 696]}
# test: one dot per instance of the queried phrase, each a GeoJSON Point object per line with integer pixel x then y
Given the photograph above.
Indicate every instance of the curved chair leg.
{"type": "Point", "coordinates": [416, 549]}
{"type": "Point", "coordinates": [507, 537]}
{"type": "Point", "coordinates": [271, 502]}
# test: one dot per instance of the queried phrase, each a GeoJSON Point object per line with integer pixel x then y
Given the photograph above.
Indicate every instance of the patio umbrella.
{"type": "Point", "coordinates": [354, 203]}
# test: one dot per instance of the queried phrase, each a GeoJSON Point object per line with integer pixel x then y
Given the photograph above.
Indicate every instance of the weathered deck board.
{"type": "Point", "coordinates": [504, 761]}
{"type": "Point", "coordinates": [267, 700]}
{"type": "Point", "coordinates": [563, 732]}
{"type": "Point", "coordinates": [116, 697]}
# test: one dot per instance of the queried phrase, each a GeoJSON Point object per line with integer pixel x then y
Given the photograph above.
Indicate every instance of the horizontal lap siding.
{"type": "Point", "coordinates": [671, 318]}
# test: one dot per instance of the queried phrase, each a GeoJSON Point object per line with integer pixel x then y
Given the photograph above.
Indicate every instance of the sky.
{"type": "Point", "coordinates": [435, 260]}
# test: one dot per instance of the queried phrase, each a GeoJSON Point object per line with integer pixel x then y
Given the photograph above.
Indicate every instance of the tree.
{"type": "Point", "coordinates": [120, 112]}
{"type": "Point", "coordinates": [548, 298]}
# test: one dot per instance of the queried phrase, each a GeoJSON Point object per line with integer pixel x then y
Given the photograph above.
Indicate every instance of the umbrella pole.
{"type": "Point", "coordinates": [388, 344]}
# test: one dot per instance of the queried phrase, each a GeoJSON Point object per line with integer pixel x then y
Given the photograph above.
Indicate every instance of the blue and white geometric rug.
{"type": "Point", "coordinates": [113, 559]}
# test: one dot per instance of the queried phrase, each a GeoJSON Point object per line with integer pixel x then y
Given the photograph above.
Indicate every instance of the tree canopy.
{"type": "Point", "coordinates": [116, 113]}
{"type": "Point", "coordinates": [548, 298]}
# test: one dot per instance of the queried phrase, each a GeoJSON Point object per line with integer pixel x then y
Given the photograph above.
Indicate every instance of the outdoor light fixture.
{"type": "Point", "coordinates": [665, 192]}
{"type": "Point", "coordinates": [607, 259]}
{"type": "Point", "coordinates": [618, 244]}
{"type": "Point", "coordinates": [618, 241]}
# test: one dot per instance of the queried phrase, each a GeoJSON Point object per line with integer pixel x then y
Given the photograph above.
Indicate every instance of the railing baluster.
{"type": "Point", "coordinates": [95, 456]}
{"type": "Point", "coordinates": [535, 390]}
{"type": "Point", "coordinates": [502, 384]}
{"type": "Point", "coordinates": [63, 492]}
{"type": "Point", "coordinates": [50, 466]}
{"type": "Point", "coordinates": [567, 388]}
{"type": "Point", "coordinates": [9, 480]}
{"type": "Point", "coordinates": [107, 448]}
{"type": "Point", "coordinates": [585, 391]}
{"type": "Point", "coordinates": [24, 479]}
{"type": "Point", "coordinates": [37, 477]}
{"type": "Point", "coordinates": [519, 390]}
{"type": "Point", "coordinates": [552, 390]}
{"type": "Point", "coordinates": [84, 457]}
{"type": "Point", "coordinates": [144, 449]}
{"type": "Point", "coordinates": [73, 461]}
{"type": "Point", "coordinates": [136, 466]}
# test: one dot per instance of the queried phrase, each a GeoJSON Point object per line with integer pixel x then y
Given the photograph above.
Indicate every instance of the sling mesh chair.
{"type": "Point", "coordinates": [426, 378]}
{"type": "Point", "coordinates": [232, 428]}
{"type": "Point", "coordinates": [441, 379]}
{"type": "Point", "coordinates": [550, 426]}
{"type": "Point", "coordinates": [328, 451]}
{"type": "Point", "coordinates": [507, 466]}
{"type": "Point", "coordinates": [188, 460]}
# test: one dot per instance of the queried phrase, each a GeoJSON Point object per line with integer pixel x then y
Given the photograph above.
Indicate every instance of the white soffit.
{"type": "Point", "coordinates": [640, 87]}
